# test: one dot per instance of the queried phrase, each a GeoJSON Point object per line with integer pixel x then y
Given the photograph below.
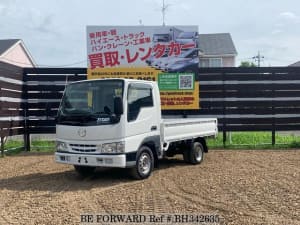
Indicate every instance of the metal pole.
{"type": "Point", "coordinates": [2, 145]}
{"type": "Point", "coordinates": [224, 110]}
{"type": "Point", "coordinates": [163, 12]}
{"type": "Point", "coordinates": [26, 127]}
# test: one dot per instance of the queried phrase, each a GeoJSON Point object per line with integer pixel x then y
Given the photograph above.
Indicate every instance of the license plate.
{"type": "Point", "coordinates": [82, 160]}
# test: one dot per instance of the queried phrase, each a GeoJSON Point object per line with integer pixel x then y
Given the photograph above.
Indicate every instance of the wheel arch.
{"type": "Point", "coordinates": [154, 144]}
{"type": "Point", "coordinates": [203, 142]}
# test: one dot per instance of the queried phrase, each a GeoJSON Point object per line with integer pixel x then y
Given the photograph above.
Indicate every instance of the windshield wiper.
{"type": "Point", "coordinates": [106, 111]}
{"type": "Point", "coordinates": [67, 122]}
{"type": "Point", "coordinates": [76, 112]}
{"type": "Point", "coordinates": [74, 119]}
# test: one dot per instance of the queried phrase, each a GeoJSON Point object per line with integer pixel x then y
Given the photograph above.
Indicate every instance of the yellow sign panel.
{"type": "Point", "coordinates": [170, 99]}
{"type": "Point", "coordinates": [141, 73]}
{"type": "Point", "coordinates": [180, 100]}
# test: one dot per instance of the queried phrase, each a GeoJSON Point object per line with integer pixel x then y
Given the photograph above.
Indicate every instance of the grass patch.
{"type": "Point", "coordinates": [13, 147]}
{"type": "Point", "coordinates": [43, 145]}
{"type": "Point", "coordinates": [255, 140]}
{"type": "Point", "coordinates": [239, 140]}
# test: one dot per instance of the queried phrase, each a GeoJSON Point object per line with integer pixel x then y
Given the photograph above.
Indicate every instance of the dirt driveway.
{"type": "Point", "coordinates": [242, 187]}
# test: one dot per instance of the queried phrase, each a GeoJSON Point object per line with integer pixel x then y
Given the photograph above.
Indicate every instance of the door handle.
{"type": "Point", "coordinates": [153, 128]}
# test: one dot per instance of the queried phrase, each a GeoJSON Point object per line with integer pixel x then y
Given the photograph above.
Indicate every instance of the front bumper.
{"type": "Point", "coordinates": [121, 160]}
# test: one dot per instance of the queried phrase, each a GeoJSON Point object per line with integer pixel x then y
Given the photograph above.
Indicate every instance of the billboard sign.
{"type": "Point", "coordinates": [144, 52]}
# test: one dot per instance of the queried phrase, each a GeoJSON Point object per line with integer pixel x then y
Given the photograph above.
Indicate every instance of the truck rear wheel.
{"type": "Point", "coordinates": [194, 155]}
{"type": "Point", "coordinates": [84, 170]}
{"type": "Point", "coordinates": [144, 163]}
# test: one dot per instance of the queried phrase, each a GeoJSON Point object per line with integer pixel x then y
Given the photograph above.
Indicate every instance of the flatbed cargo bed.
{"type": "Point", "coordinates": [188, 128]}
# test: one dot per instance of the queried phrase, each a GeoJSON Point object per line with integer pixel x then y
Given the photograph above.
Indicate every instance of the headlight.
{"type": "Point", "coordinates": [109, 148]}
{"type": "Point", "coordinates": [61, 146]}
{"type": "Point", "coordinates": [115, 147]}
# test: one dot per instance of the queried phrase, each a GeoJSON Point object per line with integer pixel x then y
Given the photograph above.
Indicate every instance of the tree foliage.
{"type": "Point", "coordinates": [247, 64]}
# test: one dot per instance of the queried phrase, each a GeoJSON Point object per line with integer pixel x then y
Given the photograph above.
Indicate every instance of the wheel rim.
{"type": "Point", "coordinates": [198, 153]}
{"type": "Point", "coordinates": [144, 164]}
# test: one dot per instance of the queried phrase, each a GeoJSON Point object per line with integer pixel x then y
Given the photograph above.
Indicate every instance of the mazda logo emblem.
{"type": "Point", "coordinates": [82, 132]}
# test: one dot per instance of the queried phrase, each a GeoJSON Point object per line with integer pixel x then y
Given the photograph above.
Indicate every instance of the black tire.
{"type": "Point", "coordinates": [144, 164]}
{"type": "Point", "coordinates": [194, 155]}
{"type": "Point", "coordinates": [186, 156]}
{"type": "Point", "coordinates": [84, 170]}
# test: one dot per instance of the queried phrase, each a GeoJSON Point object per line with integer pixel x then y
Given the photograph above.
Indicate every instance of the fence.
{"type": "Point", "coordinates": [250, 99]}
{"type": "Point", "coordinates": [44, 89]}
{"type": "Point", "coordinates": [243, 99]}
{"type": "Point", "coordinates": [12, 116]}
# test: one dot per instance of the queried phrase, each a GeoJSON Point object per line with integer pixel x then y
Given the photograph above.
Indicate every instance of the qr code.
{"type": "Point", "coordinates": [186, 81]}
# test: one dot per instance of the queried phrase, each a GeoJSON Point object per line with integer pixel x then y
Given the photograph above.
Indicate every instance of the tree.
{"type": "Point", "coordinates": [247, 64]}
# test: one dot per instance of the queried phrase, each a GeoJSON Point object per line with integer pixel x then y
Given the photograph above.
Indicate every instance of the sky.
{"type": "Point", "coordinates": [54, 31]}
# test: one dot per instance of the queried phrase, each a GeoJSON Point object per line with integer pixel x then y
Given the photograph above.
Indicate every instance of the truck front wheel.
{"type": "Point", "coordinates": [194, 154]}
{"type": "Point", "coordinates": [84, 170]}
{"type": "Point", "coordinates": [144, 163]}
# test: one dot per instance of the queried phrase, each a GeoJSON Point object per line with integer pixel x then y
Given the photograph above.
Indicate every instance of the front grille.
{"type": "Point", "coordinates": [83, 148]}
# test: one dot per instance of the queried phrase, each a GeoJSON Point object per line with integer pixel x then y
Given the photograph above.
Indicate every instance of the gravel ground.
{"type": "Point", "coordinates": [242, 187]}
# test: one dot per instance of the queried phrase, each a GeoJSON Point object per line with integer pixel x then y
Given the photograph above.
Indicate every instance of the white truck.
{"type": "Point", "coordinates": [165, 35]}
{"type": "Point", "coordinates": [118, 123]}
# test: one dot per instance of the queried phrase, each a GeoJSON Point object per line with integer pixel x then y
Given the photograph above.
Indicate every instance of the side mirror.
{"type": "Point", "coordinates": [118, 106]}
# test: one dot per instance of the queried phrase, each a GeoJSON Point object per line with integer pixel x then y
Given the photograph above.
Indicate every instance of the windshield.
{"type": "Point", "coordinates": [161, 37]}
{"type": "Point", "coordinates": [87, 102]}
{"type": "Point", "coordinates": [186, 35]}
{"type": "Point", "coordinates": [190, 53]}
